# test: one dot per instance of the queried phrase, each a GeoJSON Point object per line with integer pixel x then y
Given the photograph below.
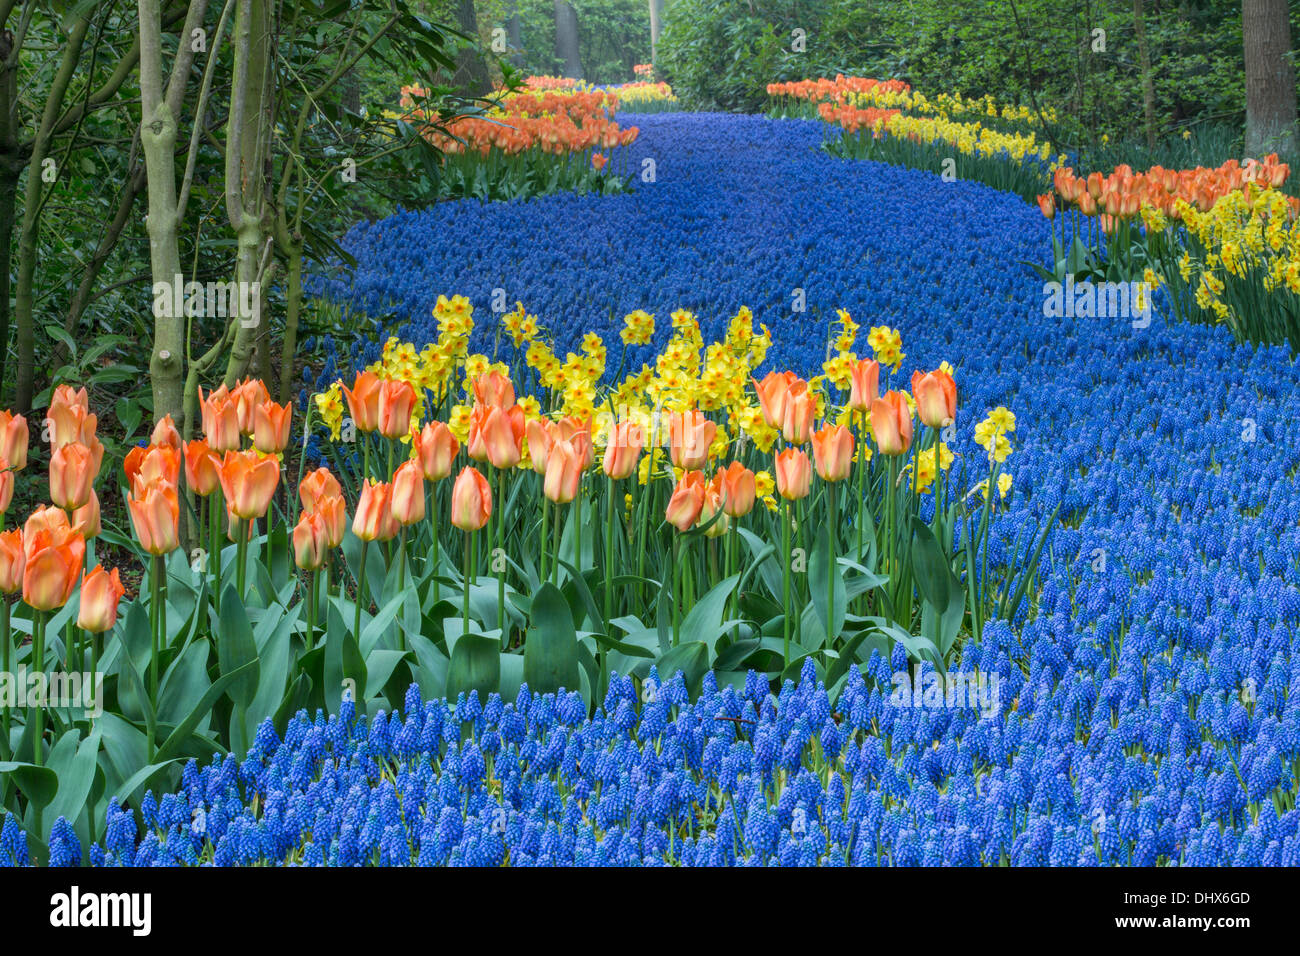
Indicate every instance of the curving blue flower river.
{"type": "Point", "coordinates": [1148, 712]}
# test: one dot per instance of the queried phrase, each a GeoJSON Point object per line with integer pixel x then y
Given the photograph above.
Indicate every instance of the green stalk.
{"type": "Point", "coordinates": [541, 539]}
{"type": "Point", "coordinates": [609, 561]}
{"type": "Point", "coordinates": [501, 545]}
{"type": "Point", "coordinates": [155, 585]}
{"type": "Point", "coordinates": [830, 562]}
{"type": "Point", "coordinates": [361, 591]}
{"type": "Point", "coordinates": [785, 581]}
{"type": "Point", "coordinates": [680, 576]}
{"type": "Point", "coordinates": [38, 662]}
{"type": "Point", "coordinates": [312, 593]}
{"type": "Point", "coordinates": [469, 560]}
{"type": "Point", "coordinates": [555, 542]}
{"type": "Point", "coordinates": [5, 653]}
{"type": "Point", "coordinates": [216, 544]}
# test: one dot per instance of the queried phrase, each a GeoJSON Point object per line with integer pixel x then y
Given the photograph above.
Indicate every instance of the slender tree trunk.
{"type": "Point", "coordinates": [11, 165]}
{"type": "Point", "coordinates": [471, 75]}
{"type": "Point", "coordinates": [1270, 78]}
{"type": "Point", "coordinates": [1144, 65]}
{"type": "Point", "coordinates": [656, 27]}
{"type": "Point", "coordinates": [566, 39]}
{"type": "Point", "coordinates": [515, 34]}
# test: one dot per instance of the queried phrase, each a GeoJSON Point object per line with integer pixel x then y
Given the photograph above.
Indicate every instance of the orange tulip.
{"type": "Point", "coordinates": [772, 392]}
{"type": "Point", "coordinates": [70, 476]}
{"type": "Point", "coordinates": [155, 512]}
{"type": "Point", "coordinates": [833, 452]}
{"type": "Point", "coordinates": [13, 440]}
{"type": "Point", "coordinates": [310, 542]}
{"type": "Point", "coordinates": [363, 401]}
{"type": "Point", "coordinates": [86, 518]}
{"type": "Point", "coordinates": [1047, 205]}
{"type": "Point", "coordinates": [333, 511]}
{"type": "Point", "coordinates": [541, 435]}
{"type": "Point", "coordinates": [408, 493]}
{"type": "Point", "coordinates": [798, 414]}
{"type": "Point", "coordinates": [793, 474]}
{"type": "Point", "coordinates": [738, 489]}
{"type": "Point", "coordinates": [435, 447]}
{"type": "Point", "coordinates": [152, 463]}
{"type": "Point", "coordinates": [220, 420]}
{"type": "Point", "coordinates": [249, 481]}
{"type": "Point", "coordinates": [493, 388]}
{"type": "Point", "coordinates": [12, 559]}
{"type": "Point", "coordinates": [396, 402]}
{"type": "Point", "coordinates": [52, 567]}
{"type": "Point", "coordinates": [715, 496]}
{"type": "Point", "coordinates": [73, 398]}
{"type": "Point", "coordinates": [864, 384]}
{"type": "Point", "coordinates": [686, 502]}
{"type": "Point", "coordinates": [249, 395]}
{"type": "Point", "coordinates": [45, 518]}
{"type": "Point", "coordinates": [6, 486]}
{"type": "Point", "coordinates": [495, 435]}
{"type": "Point", "coordinates": [689, 436]}
{"type": "Point", "coordinates": [563, 472]}
{"type": "Point", "coordinates": [936, 398]}
{"type": "Point", "coordinates": [471, 501]}
{"type": "Point", "coordinates": [165, 433]}
{"type": "Point", "coordinates": [374, 519]}
{"type": "Point", "coordinates": [271, 427]}
{"type": "Point", "coordinates": [318, 484]}
{"type": "Point", "coordinates": [202, 467]}
{"type": "Point", "coordinates": [100, 593]}
{"type": "Point", "coordinates": [69, 423]}
{"type": "Point", "coordinates": [622, 450]}
{"type": "Point", "coordinates": [577, 431]}
{"type": "Point", "coordinates": [891, 423]}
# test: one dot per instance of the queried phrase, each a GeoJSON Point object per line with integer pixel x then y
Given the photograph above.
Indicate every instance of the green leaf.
{"type": "Point", "coordinates": [236, 648]}
{"type": "Point", "coordinates": [934, 578]}
{"type": "Point", "coordinates": [691, 659]}
{"type": "Point", "coordinates": [475, 665]}
{"type": "Point", "coordinates": [702, 621]}
{"type": "Point", "coordinates": [39, 784]}
{"type": "Point", "coordinates": [551, 644]}
{"type": "Point", "coordinates": [185, 682]}
{"type": "Point", "coordinates": [74, 761]}
{"type": "Point", "coordinates": [186, 727]}
{"type": "Point", "coordinates": [826, 584]}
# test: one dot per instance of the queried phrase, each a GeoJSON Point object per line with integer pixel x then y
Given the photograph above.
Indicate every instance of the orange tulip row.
{"type": "Point", "coordinates": [46, 558]}
{"type": "Point", "coordinates": [852, 119]}
{"type": "Point", "coordinates": [1123, 193]}
{"type": "Point", "coordinates": [837, 88]}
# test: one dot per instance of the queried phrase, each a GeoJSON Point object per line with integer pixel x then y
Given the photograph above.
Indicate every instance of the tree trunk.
{"type": "Point", "coordinates": [656, 26]}
{"type": "Point", "coordinates": [566, 39]}
{"type": "Point", "coordinates": [515, 34]}
{"type": "Point", "coordinates": [10, 165]}
{"type": "Point", "coordinates": [471, 75]}
{"type": "Point", "coordinates": [1144, 65]}
{"type": "Point", "coordinates": [1270, 78]}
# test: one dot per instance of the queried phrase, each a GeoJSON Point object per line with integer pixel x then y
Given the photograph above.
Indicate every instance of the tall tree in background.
{"type": "Point", "coordinates": [471, 69]}
{"type": "Point", "coordinates": [656, 25]}
{"type": "Point", "coordinates": [1270, 78]}
{"type": "Point", "coordinates": [566, 39]}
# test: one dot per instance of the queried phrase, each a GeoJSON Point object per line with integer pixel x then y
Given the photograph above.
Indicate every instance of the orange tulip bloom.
{"type": "Point", "coordinates": [70, 476]}
{"type": "Point", "coordinates": [249, 481]}
{"type": "Point", "coordinates": [155, 512]}
{"type": "Point", "coordinates": [793, 474]}
{"type": "Point", "coordinates": [471, 501]}
{"type": "Point", "coordinates": [891, 423]}
{"type": "Point", "coordinates": [496, 435]}
{"type": "Point", "coordinates": [833, 452]}
{"type": "Point", "coordinates": [686, 502]}
{"type": "Point", "coordinates": [13, 440]}
{"type": "Point", "coordinates": [333, 511]}
{"type": "Point", "coordinates": [715, 496]}
{"type": "Point", "coordinates": [69, 423]}
{"type": "Point", "coordinates": [622, 450]}
{"type": "Point", "coordinates": [363, 401]}
{"type": "Point", "coordinates": [1047, 205]}
{"type": "Point", "coordinates": [541, 435]}
{"type": "Point", "coordinates": [738, 489]}
{"type": "Point", "coordinates": [936, 398]}
{"type": "Point", "coordinates": [12, 558]}
{"type": "Point", "coordinates": [864, 384]}
{"type": "Point", "coordinates": [165, 433]}
{"type": "Point", "coordinates": [202, 467]}
{"type": "Point", "coordinates": [563, 472]}
{"type": "Point", "coordinates": [220, 420]}
{"type": "Point", "coordinates": [310, 542]}
{"type": "Point", "coordinates": [493, 388]}
{"type": "Point", "coordinates": [374, 519]}
{"type": "Point", "coordinates": [271, 427]}
{"type": "Point", "coordinates": [45, 518]}
{"type": "Point", "coordinates": [249, 395]}
{"type": "Point", "coordinates": [689, 436]}
{"type": "Point", "coordinates": [435, 447]}
{"type": "Point", "coordinates": [408, 493]}
{"type": "Point", "coordinates": [577, 431]}
{"type": "Point", "coordinates": [598, 161]}
{"type": "Point", "coordinates": [6, 486]}
{"type": "Point", "coordinates": [798, 413]}
{"type": "Point", "coordinates": [74, 398]}
{"type": "Point", "coordinates": [100, 593]}
{"type": "Point", "coordinates": [155, 463]}
{"type": "Point", "coordinates": [396, 402]}
{"type": "Point", "coordinates": [316, 485]}
{"type": "Point", "coordinates": [52, 566]}
{"type": "Point", "coordinates": [772, 392]}
{"type": "Point", "coordinates": [86, 518]}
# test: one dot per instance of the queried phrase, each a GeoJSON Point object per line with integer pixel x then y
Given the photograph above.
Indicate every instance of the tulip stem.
{"type": "Point", "coordinates": [785, 581]}
{"type": "Point", "coordinates": [541, 539]}
{"type": "Point", "coordinates": [609, 565]}
{"type": "Point", "coordinates": [215, 543]}
{"type": "Point", "coordinates": [241, 554]}
{"type": "Point", "coordinates": [155, 588]}
{"type": "Point", "coordinates": [679, 578]}
{"type": "Point", "coordinates": [433, 522]}
{"type": "Point", "coordinates": [313, 587]}
{"type": "Point", "coordinates": [361, 591]}
{"type": "Point", "coordinates": [5, 650]}
{"type": "Point", "coordinates": [469, 542]}
{"type": "Point", "coordinates": [830, 563]}
{"type": "Point", "coordinates": [555, 541]}
{"type": "Point", "coordinates": [501, 544]}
